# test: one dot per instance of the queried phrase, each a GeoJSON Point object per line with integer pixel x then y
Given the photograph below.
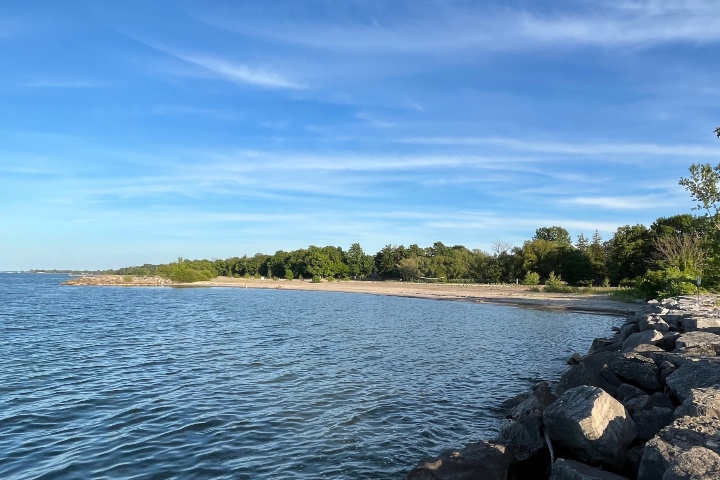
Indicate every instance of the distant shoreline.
{"type": "Point", "coordinates": [510, 295]}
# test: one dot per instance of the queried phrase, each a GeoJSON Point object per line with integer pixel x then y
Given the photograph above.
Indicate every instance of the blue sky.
{"type": "Point", "coordinates": [135, 131]}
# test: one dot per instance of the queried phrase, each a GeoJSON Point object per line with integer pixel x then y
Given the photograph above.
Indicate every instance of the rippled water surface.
{"type": "Point", "coordinates": [153, 383]}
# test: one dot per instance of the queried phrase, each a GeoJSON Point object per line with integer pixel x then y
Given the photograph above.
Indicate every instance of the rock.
{"type": "Point", "coordinates": [648, 336]}
{"type": "Point", "coordinates": [628, 330]}
{"type": "Point", "coordinates": [603, 344]}
{"type": "Point", "coordinates": [653, 322]}
{"type": "Point", "coordinates": [708, 324]}
{"type": "Point", "coordinates": [700, 374]}
{"type": "Point", "coordinates": [701, 402]}
{"type": "Point", "coordinates": [591, 424]}
{"type": "Point", "coordinates": [650, 422]}
{"type": "Point", "coordinates": [593, 370]}
{"type": "Point", "coordinates": [484, 460]}
{"type": "Point", "coordinates": [668, 341]}
{"type": "Point", "coordinates": [638, 370]}
{"type": "Point", "coordinates": [522, 430]}
{"type": "Point", "coordinates": [698, 344]}
{"type": "Point", "coordinates": [626, 392]}
{"type": "Point", "coordinates": [571, 470]}
{"type": "Point", "coordinates": [678, 437]}
{"type": "Point", "coordinates": [574, 359]}
{"type": "Point", "coordinates": [698, 463]}
{"type": "Point", "coordinates": [674, 321]}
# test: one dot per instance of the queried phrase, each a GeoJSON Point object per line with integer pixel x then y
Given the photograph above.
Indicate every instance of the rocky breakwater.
{"type": "Point", "coordinates": [644, 404]}
{"type": "Point", "coordinates": [119, 280]}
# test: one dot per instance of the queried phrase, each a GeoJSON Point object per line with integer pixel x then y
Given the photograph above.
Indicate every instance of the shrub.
{"type": "Point", "coordinates": [531, 278]}
{"type": "Point", "coordinates": [316, 279]}
{"type": "Point", "coordinates": [666, 283]}
{"type": "Point", "coordinates": [289, 274]}
{"type": "Point", "coordinates": [555, 285]}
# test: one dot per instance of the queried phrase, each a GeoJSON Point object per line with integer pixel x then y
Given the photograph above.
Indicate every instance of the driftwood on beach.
{"type": "Point", "coordinates": [644, 404]}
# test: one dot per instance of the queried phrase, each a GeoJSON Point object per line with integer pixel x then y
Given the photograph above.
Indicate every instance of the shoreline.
{"type": "Point", "coordinates": [507, 295]}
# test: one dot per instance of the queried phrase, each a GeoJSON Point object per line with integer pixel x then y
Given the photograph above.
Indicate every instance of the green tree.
{"type": "Point", "coordinates": [628, 252]}
{"type": "Point", "coordinates": [359, 264]}
{"type": "Point", "coordinates": [553, 234]}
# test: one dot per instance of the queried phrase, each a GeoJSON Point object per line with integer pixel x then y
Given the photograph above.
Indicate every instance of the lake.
{"type": "Point", "coordinates": [160, 383]}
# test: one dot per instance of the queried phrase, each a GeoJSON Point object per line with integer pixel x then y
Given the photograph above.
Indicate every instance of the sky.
{"type": "Point", "coordinates": [138, 132]}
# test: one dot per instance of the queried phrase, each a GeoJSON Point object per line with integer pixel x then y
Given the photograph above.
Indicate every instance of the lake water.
{"type": "Point", "coordinates": [155, 383]}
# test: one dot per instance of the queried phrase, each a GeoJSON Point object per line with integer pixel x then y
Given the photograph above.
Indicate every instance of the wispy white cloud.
{"type": "Point", "coordinates": [640, 202]}
{"type": "Point", "coordinates": [223, 68]}
{"type": "Point", "coordinates": [238, 73]}
{"type": "Point", "coordinates": [562, 148]}
{"type": "Point", "coordinates": [444, 27]}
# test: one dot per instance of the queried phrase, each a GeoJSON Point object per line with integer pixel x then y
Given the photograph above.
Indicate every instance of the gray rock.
{"type": "Point", "coordinates": [627, 392]}
{"type": "Point", "coordinates": [650, 422]}
{"type": "Point", "coordinates": [701, 402]}
{"type": "Point", "coordinates": [700, 374]}
{"type": "Point", "coordinates": [593, 370]}
{"type": "Point", "coordinates": [522, 429]}
{"type": "Point", "coordinates": [603, 344]}
{"type": "Point", "coordinates": [591, 424]}
{"type": "Point", "coordinates": [698, 463]}
{"type": "Point", "coordinates": [574, 358]}
{"type": "Point", "coordinates": [484, 460]}
{"type": "Point", "coordinates": [648, 336]}
{"type": "Point", "coordinates": [678, 437]}
{"type": "Point", "coordinates": [571, 470]}
{"type": "Point", "coordinates": [524, 436]}
{"type": "Point", "coordinates": [638, 370]}
{"type": "Point", "coordinates": [698, 343]}
{"type": "Point", "coordinates": [708, 324]}
{"type": "Point", "coordinates": [674, 320]}
{"type": "Point", "coordinates": [628, 330]}
{"type": "Point", "coordinates": [653, 322]}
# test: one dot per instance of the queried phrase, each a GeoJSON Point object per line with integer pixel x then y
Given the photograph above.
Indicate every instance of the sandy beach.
{"type": "Point", "coordinates": [515, 295]}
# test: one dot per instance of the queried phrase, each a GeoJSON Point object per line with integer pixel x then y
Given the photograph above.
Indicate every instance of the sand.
{"type": "Point", "coordinates": [515, 295]}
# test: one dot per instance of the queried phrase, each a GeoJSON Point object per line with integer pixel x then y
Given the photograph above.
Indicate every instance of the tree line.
{"type": "Point", "coordinates": [670, 257]}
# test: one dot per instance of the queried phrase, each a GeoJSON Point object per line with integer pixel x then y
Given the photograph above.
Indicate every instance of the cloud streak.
{"type": "Point", "coordinates": [441, 30]}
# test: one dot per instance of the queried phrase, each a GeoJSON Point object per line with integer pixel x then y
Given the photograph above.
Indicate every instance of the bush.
{"type": "Point", "coordinates": [531, 279]}
{"type": "Point", "coordinates": [555, 285]}
{"type": "Point", "coordinates": [316, 279]}
{"type": "Point", "coordinates": [670, 282]}
{"type": "Point", "coordinates": [289, 274]}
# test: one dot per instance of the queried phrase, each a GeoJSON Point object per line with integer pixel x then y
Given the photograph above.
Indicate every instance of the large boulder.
{"type": "Point", "coordinates": [571, 470]}
{"type": "Point", "coordinates": [680, 436]}
{"type": "Point", "coordinates": [701, 402]}
{"type": "Point", "coordinates": [698, 463]}
{"type": "Point", "coordinates": [484, 460]}
{"type": "Point", "coordinates": [698, 344]}
{"type": "Point", "coordinates": [594, 369]}
{"type": "Point", "coordinates": [638, 370]}
{"type": "Point", "coordinates": [592, 425]}
{"type": "Point", "coordinates": [699, 374]}
{"type": "Point", "coordinates": [522, 428]}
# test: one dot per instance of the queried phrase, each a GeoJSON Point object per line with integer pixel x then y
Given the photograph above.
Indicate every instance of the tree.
{"type": "Point", "coordinates": [582, 243]}
{"type": "Point", "coordinates": [703, 188]}
{"type": "Point", "coordinates": [628, 252]}
{"type": "Point", "coordinates": [553, 234]}
{"type": "Point", "coordinates": [409, 268]}
{"type": "Point", "coordinates": [359, 264]}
